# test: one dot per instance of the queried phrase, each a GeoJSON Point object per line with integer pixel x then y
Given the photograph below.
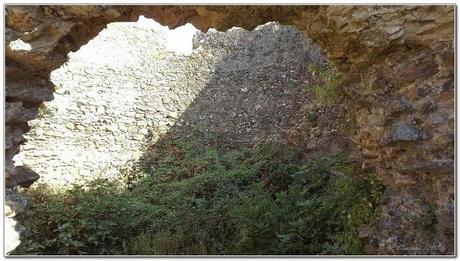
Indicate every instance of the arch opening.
{"type": "Point", "coordinates": [414, 84]}
{"type": "Point", "coordinates": [133, 88]}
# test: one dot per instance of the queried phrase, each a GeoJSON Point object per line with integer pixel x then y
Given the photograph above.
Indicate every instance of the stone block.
{"type": "Point", "coordinates": [404, 131]}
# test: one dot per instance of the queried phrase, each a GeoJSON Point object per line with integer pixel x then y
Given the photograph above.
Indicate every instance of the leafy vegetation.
{"type": "Point", "coordinates": [189, 199]}
{"type": "Point", "coordinates": [43, 110]}
{"type": "Point", "coordinates": [428, 220]}
{"type": "Point", "coordinates": [349, 124]}
{"type": "Point", "coordinates": [328, 92]}
{"type": "Point", "coordinates": [312, 118]}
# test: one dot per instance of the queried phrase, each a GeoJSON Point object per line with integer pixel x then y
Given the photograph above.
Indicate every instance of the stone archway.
{"type": "Point", "coordinates": [399, 67]}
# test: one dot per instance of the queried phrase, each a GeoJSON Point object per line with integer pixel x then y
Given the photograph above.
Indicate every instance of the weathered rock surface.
{"type": "Point", "coordinates": [14, 205]}
{"type": "Point", "coordinates": [389, 54]}
{"type": "Point", "coordinates": [16, 112]}
{"type": "Point", "coordinates": [29, 91]}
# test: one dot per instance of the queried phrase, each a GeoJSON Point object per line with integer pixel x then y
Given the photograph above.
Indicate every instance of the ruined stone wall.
{"type": "Point", "coordinates": [124, 89]}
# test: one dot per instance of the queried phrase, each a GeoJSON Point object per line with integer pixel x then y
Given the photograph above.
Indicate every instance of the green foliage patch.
{"type": "Point", "coordinates": [428, 220]}
{"type": "Point", "coordinates": [190, 199]}
{"type": "Point", "coordinates": [328, 92]}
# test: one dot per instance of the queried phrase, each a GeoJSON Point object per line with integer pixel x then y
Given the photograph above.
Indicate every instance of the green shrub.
{"type": "Point", "coordinates": [189, 199]}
